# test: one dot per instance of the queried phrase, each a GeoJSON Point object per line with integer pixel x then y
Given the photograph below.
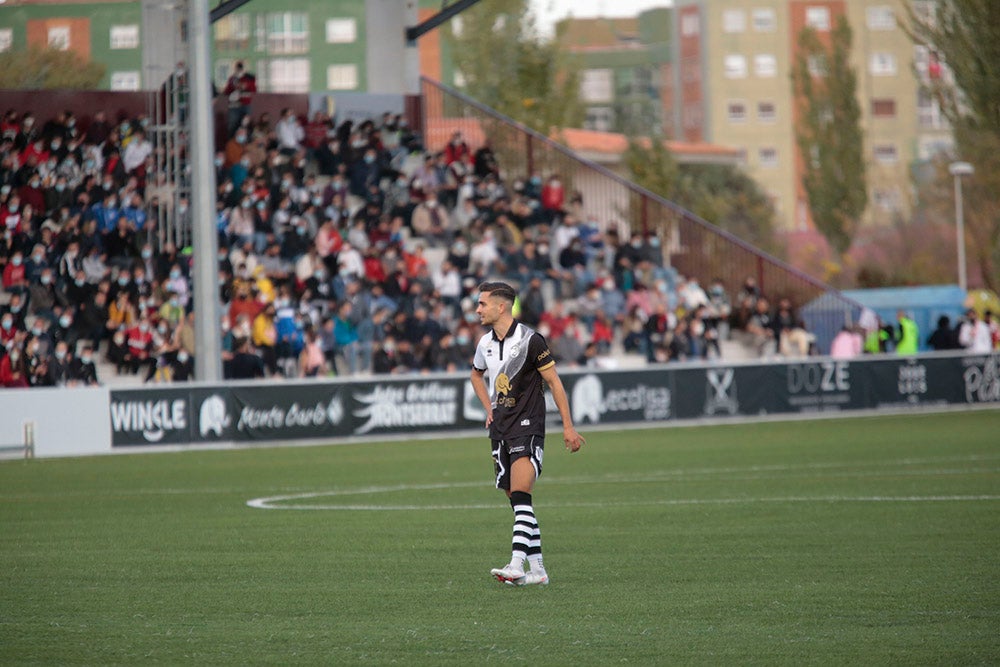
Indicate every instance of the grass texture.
{"type": "Point", "coordinates": [855, 541]}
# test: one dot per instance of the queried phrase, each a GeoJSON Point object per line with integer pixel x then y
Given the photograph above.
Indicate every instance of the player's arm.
{"type": "Point", "coordinates": [483, 392]}
{"type": "Point", "coordinates": [572, 439]}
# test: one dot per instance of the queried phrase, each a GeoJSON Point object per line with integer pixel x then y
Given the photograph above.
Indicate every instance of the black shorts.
{"type": "Point", "coordinates": [505, 452]}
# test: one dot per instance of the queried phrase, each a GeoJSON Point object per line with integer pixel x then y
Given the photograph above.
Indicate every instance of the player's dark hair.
{"type": "Point", "coordinates": [499, 290]}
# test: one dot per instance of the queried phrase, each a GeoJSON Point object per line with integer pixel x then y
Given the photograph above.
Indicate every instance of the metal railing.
{"type": "Point", "coordinates": [26, 446]}
{"type": "Point", "coordinates": [692, 246]}
{"type": "Point", "coordinates": [169, 130]}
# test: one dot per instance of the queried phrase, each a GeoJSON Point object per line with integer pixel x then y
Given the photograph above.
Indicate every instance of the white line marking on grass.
{"type": "Point", "coordinates": [274, 502]}
{"type": "Point", "coordinates": [902, 467]}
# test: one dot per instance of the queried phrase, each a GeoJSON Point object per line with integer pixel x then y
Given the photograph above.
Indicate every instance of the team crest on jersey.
{"type": "Point", "coordinates": [514, 350]}
{"type": "Point", "coordinates": [503, 384]}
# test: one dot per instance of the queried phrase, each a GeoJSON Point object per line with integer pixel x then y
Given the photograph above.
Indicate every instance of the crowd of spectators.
{"type": "Point", "coordinates": [343, 249]}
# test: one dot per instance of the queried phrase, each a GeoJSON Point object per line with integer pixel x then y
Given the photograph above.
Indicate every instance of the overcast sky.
{"type": "Point", "coordinates": [550, 11]}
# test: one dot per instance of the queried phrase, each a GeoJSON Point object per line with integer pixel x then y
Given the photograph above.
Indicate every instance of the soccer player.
{"type": "Point", "coordinates": [517, 359]}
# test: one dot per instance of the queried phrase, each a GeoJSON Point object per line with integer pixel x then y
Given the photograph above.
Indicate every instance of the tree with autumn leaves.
{"type": "Point", "coordinates": [964, 35]}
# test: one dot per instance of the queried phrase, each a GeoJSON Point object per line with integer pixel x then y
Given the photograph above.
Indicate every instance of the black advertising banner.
{"type": "Point", "coordinates": [913, 382]}
{"type": "Point", "coordinates": [425, 404]}
{"type": "Point", "coordinates": [407, 406]}
{"type": "Point", "coordinates": [596, 398]}
{"type": "Point", "coordinates": [151, 417]}
{"type": "Point", "coordinates": [288, 412]}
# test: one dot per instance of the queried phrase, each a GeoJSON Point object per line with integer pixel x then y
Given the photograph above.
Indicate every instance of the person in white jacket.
{"type": "Point", "coordinates": [974, 334]}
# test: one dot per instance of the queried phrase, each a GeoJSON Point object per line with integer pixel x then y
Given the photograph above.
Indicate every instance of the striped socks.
{"type": "Point", "coordinates": [527, 540]}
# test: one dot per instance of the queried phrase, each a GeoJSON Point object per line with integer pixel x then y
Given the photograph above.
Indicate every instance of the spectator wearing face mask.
{"type": "Point", "coordinates": [289, 132]}
{"type": "Point", "coordinates": [31, 192]}
{"type": "Point", "coordinates": [82, 369]}
{"type": "Point", "coordinates": [43, 297]}
{"type": "Point", "coordinates": [139, 342]}
{"type": "Point", "coordinates": [13, 369]}
{"type": "Point", "coordinates": [59, 365]}
{"type": "Point", "coordinates": [15, 277]}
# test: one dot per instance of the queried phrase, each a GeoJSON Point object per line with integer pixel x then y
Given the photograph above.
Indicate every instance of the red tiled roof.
{"type": "Point", "coordinates": [608, 144]}
{"type": "Point", "coordinates": [596, 32]}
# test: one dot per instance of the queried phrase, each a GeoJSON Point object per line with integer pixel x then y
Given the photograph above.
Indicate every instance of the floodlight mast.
{"type": "Point", "coordinates": [208, 346]}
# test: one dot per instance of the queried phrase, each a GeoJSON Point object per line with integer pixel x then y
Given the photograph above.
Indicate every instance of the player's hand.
{"type": "Point", "coordinates": [489, 418]}
{"type": "Point", "coordinates": [574, 441]}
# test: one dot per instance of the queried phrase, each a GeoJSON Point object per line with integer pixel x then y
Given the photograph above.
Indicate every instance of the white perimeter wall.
{"type": "Point", "coordinates": [68, 422]}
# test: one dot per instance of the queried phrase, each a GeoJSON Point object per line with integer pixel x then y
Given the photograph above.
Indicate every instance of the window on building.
{"type": "Point", "coordinates": [125, 81]}
{"type": "Point", "coordinates": [223, 68]}
{"type": "Point", "coordinates": [341, 77]}
{"type": "Point", "coordinates": [765, 65]}
{"type": "Point", "coordinates": [926, 11]}
{"type": "Point", "coordinates": [734, 20]}
{"type": "Point", "coordinates": [764, 19]}
{"type": "Point", "coordinates": [929, 115]}
{"type": "Point", "coordinates": [232, 33]}
{"type": "Point", "coordinates": [816, 65]}
{"type": "Point", "coordinates": [884, 108]}
{"type": "Point", "coordinates": [601, 119]}
{"type": "Point", "coordinates": [736, 111]}
{"type": "Point", "coordinates": [597, 85]}
{"type": "Point", "coordinates": [818, 18]}
{"type": "Point", "coordinates": [766, 112]}
{"type": "Point", "coordinates": [882, 64]}
{"type": "Point", "coordinates": [6, 39]}
{"type": "Point", "coordinates": [767, 156]}
{"type": "Point", "coordinates": [690, 24]}
{"type": "Point", "coordinates": [124, 36]}
{"type": "Point", "coordinates": [881, 17]}
{"type": "Point", "coordinates": [885, 153]}
{"type": "Point", "coordinates": [887, 199]}
{"type": "Point", "coordinates": [287, 32]}
{"type": "Point", "coordinates": [341, 31]}
{"type": "Point", "coordinates": [59, 38]}
{"type": "Point", "coordinates": [288, 75]}
{"type": "Point", "coordinates": [735, 66]}
{"type": "Point", "coordinates": [930, 147]}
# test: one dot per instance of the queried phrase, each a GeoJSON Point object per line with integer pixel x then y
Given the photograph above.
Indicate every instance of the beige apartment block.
{"type": "Point", "coordinates": [729, 84]}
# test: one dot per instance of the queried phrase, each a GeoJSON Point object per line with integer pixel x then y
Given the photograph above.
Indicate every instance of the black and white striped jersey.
{"type": "Point", "coordinates": [512, 365]}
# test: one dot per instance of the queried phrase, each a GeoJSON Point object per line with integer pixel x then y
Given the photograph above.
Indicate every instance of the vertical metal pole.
{"type": "Point", "coordinates": [208, 358]}
{"type": "Point", "coordinates": [29, 440]}
{"type": "Point", "coordinates": [530, 151]}
{"type": "Point", "coordinates": [960, 223]}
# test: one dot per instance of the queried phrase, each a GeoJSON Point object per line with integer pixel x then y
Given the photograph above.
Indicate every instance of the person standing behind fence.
{"type": "Point", "coordinates": [974, 335]}
{"type": "Point", "coordinates": [907, 334]}
{"type": "Point", "coordinates": [239, 90]}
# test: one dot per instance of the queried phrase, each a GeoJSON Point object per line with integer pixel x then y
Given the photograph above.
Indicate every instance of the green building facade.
{"type": "Point", "coordinates": [109, 32]}
{"type": "Point", "coordinates": [294, 46]}
{"type": "Point", "coordinates": [622, 66]}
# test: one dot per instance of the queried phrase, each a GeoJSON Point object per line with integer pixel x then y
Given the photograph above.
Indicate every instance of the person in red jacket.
{"type": "Point", "coordinates": [14, 275]}
{"type": "Point", "coordinates": [239, 91]}
{"type": "Point", "coordinates": [12, 369]}
{"type": "Point", "coordinates": [458, 155]}
{"type": "Point", "coordinates": [139, 340]}
{"type": "Point", "coordinates": [553, 197]}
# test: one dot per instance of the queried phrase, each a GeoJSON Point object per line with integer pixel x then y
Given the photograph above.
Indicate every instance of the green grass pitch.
{"type": "Point", "coordinates": [867, 541]}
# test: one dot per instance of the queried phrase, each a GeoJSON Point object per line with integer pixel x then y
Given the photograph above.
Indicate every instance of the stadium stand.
{"type": "Point", "coordinates": [345, 248]}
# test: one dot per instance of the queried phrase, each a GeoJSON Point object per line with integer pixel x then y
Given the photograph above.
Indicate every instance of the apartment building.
{"type": "Point", "coordinates": [729, 83]}
{"type": "Point", "coordinates": [622, 63]}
